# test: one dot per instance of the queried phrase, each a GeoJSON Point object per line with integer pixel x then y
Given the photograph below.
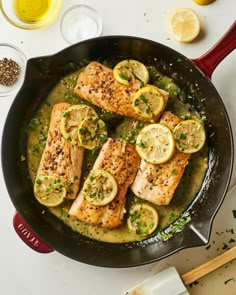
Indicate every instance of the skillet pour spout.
{"type": "Point", "coordinates": [42, 74]}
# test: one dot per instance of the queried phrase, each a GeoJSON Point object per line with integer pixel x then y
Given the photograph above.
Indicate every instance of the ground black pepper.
{"type": "Point", "coordinates": [9, 71]}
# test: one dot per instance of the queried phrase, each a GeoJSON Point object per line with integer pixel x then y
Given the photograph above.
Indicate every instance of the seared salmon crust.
{"type": "Point", "coordinates": [121, 160]}
{"type": "Point", "coordinates": [60, 158]}
{"type": "Point", "coordinates": [157, 183]}
{"type": "Point", "coordinates": [97, 85]}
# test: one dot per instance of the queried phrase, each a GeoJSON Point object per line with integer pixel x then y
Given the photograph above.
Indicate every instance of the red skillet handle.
{"type": "Point", "coordinates": [208, 62]}
{"type": "Point", "coordinates": [28, 237]}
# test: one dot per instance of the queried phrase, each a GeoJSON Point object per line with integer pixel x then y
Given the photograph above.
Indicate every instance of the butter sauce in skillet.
{"type": "Point", "coordinates": [119, 128]}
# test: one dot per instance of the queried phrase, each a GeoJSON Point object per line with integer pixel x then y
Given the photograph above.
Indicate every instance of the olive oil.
{"type": "Point", "coordinates": [30, 11]}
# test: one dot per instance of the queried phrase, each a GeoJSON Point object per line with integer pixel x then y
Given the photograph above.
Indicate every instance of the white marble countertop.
{"type": "Point", "coordinates": [24, 271]}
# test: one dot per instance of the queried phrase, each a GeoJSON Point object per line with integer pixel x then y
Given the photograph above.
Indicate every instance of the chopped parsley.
{"type": "Point", "coordinates": [42, 138]}
{"type": "Point", "coordinates": [186, 117]}
{"type": "Point", "coordinates": [123, 77]}
{"type": "Point", "coordinates": [172, 216]}
{"type": "Point", "coordinates": [234, 213]}
{"type": "Point", "coordinates": [230, 230]}
{"type": "Point", "coordinates": [225, 247]}
{"type": "Point", "coordinates": [203, 118]}
{"type": "Point", "coordinates": [33, 124]}
{"type": "Point", "coordinates": [208, 247]}
{"type": "Point", "coordinates": [134, 216]}
{"type": "Point", "coordinates": [69, 95]}
{"type": "Point", "coordinates": [178, 226]}
{"type": "Point", "coordinates": [38, 181]}
{"type": "Point", "coordinates": [64, 213]}
{"type": "Point", "coordinates": [229, 280]}
{"type": "Point", "coordinates": [144, 99]}
{"type": "Point", "coordinates": [193, 284]}
{"type": "Point", "coordinates": [84, 131]}
{"type": "Point", "coordinates": [66, 114]}
{"type": "Point", "coordinates": [36, 149]}
{"type": "Point", "coordinates": [231, 241]}
{"type": "Point", "coordinates": [141, 84]}
{"type": "Point", "coordinates": [141, 144]}
{"type": "Point", "coordinates": [136, 102]}
{"type": "Point", "coordinates": [164, 236]}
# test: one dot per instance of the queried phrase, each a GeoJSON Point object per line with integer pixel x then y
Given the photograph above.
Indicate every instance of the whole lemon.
{"type": "Point", "coordinates": [203, 2]}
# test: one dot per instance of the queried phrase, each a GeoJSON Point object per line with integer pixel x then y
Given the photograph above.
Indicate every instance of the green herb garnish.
{"type": "Point", "coordinates": [33, 124]}
{"type": "Point", "coordinates": [38, 181]}
{"type": "Point", "coordinates": [66, 114]}
{"type": "Point", "coordinates": [234, 213]}
{"type": "Point", "coordinates": [123, 77]}
{"type": "Point", "coordinates": [208, 247]}
{"type": "Point", "coordinates": [227, 281]}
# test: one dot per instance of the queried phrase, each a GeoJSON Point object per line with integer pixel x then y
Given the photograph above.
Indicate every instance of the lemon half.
{"type": "Point", "coordinates": [184, 24]}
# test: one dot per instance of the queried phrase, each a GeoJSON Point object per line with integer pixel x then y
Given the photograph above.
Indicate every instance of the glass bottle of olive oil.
{"type": "Point", "coordinates": [30, 11]}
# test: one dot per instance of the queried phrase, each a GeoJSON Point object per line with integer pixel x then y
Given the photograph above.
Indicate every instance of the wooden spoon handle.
{"type": "Point", "coordinates": [209, 266]}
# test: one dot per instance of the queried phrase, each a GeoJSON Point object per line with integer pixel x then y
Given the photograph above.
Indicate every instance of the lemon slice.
{"type": "Point", "coordinates": [71, 120]}
{"type": "Point", "coordinates": [148, 102]}
{"type": "Point", "coordinates": [203, 2]}
{"type": "Point", "coordinates": [130, 69]}
{"type": "Point", "coordinates": [184, 24]}
{"type": "Point", "coordinates": [155, 144]}
{"type": "Point", "coordinates": [189, 136]}
{"type": "Point", "coordinates": [49, 190]}
{"type": "Point", "coordinates": [100, 188]}
{"type": "Point", "coordinates": [92, 133]}
{"type": "Point", "coordinates": [143, 219]}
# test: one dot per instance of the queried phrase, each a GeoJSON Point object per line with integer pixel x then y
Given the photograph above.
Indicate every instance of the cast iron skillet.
{"type": "Point", "coordinates": [42, 74]}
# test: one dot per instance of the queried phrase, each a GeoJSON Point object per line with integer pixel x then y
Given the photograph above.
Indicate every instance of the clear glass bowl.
{"type": "Point", "coordinates": [80, 22]}
{"type": "Point", "coordinates": [12, 52]}
{"type": "Point", "coordinates": [8, 11]}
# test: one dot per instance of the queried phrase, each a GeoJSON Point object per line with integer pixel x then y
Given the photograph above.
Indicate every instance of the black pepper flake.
{"type": "Point", "coordinates": [9, 72]}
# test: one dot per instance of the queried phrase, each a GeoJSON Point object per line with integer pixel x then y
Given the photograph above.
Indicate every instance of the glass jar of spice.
{"type": "Point", "coordinates": [12, 69]}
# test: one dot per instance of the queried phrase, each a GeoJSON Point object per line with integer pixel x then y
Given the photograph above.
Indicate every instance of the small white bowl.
{"type": "Point", "coordinates": [80, 22]}
{"type": "Point", "coordinates": [12, 52]}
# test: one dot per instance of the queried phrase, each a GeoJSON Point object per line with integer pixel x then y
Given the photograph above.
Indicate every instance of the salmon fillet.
{"type": "Point", "coordinates": [97, 85]}
{"type": "Point", "coordinates": [60, 158]}
{"type": "Point", "coordinates": [121, 160]}
{"type": "Point", "coordinates": [157, 183]}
